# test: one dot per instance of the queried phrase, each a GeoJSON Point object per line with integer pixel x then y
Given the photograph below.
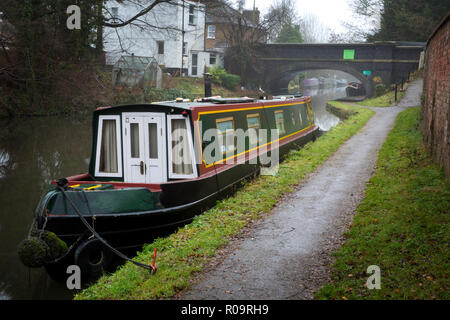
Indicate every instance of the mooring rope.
{"type": "Point", "coordinates": [88, 226]}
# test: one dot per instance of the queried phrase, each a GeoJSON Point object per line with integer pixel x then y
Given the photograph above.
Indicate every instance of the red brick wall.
{"type": "Point", "coordinates": [436, 96]}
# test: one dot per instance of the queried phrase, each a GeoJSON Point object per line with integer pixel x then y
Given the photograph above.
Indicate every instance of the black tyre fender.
{"type": "Point", "coordinates": [92, 256]}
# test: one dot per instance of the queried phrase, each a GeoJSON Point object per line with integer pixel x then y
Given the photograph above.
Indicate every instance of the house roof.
{"type": "Point", "coordinates": [134, 62]}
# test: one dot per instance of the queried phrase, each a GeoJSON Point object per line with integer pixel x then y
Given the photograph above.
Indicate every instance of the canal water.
{"type": "Point", "coordinates": [33, 151]}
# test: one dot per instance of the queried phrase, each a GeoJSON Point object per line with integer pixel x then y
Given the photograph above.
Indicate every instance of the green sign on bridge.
{"type": "Point", "coordinates": [349, 54]}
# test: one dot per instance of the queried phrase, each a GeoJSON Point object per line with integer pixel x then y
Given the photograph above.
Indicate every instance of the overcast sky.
{"type": "Point", "coordinates": [331, 13]}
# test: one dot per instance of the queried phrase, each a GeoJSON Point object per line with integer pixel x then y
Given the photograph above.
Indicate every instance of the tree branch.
{"type": "Point", "coordinates": [137, 16]}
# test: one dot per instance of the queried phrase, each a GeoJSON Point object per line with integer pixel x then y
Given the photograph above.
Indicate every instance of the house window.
{"type": "Point", "coordinates": [115, 13]}
{"type": "Point", "coordinates": [212, 58]}
{"type": "Point", "coordinates": [184, 48]}
{"type": "Point", "coordinates": [109, 152]}
{"type": "Point", "coordinates": [253, 124]}
{"type": "Point", "coordinates": [211, 32]}
{"type": "Point", "coordinates": [160, 47]}
{"type": "Point", "coordinates": [279, 121]}
{"type": "Point", "coordinates": [194, 64]}
{"type": "Point", "coordinates": [192, 14]}
{"type": "Point", "coordinates": [225, 128]}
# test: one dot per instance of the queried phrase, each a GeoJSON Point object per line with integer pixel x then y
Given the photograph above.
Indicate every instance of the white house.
{"type": "Point", "coordinates": [160, 34]}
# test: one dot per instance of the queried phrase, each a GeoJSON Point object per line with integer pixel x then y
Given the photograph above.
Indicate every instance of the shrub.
{"type": "Point", "coordinates": [221, 77]}
{"type": "Point", "coordinates": [155, 94]}
{"type": "Point", "coordinates": [230, 81]}
{"type": "Point", "coordinates": [380, 89]}
{"type": "Point", "coordinates": [217, 74]}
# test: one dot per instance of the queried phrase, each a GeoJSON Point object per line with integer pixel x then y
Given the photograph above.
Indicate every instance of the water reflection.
{"type": "Point", "coordinates": [33, 151]}
{"type": "Point", "coordinates": [323, 119]}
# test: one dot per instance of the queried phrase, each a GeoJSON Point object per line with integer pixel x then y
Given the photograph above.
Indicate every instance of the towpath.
{"type": "Point", "coordinates": [288, 254]}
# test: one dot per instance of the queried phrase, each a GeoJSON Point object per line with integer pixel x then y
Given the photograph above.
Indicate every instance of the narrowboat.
{"type": "Point", "coordinates": [355, 89]}
{"type": "Point", "coordinates": [311, 82]}
{"type": "Point", "coordinates": [156, 166]}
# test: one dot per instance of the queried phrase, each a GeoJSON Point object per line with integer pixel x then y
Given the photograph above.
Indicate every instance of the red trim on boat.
{"type": "Point", "coordinates": [105, 107]}
{"type": "Point", "coordinates": [78, 179]}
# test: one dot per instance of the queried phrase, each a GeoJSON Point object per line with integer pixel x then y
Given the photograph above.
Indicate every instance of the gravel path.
{"type": "Point", "coordinates": [288, 254]}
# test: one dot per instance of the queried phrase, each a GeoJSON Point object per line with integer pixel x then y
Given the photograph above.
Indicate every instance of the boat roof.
{"type": "Point", "coordinates": [186, 104]}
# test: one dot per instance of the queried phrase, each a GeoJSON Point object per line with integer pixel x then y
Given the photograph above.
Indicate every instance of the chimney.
{"type": "Point", "coordinates": [252, 16]}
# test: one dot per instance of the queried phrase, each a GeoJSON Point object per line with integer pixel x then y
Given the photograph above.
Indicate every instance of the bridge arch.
{"type": "Point", "coordinates": [386, 62]}
{"type": "Point", "coordinates": [277, 83]}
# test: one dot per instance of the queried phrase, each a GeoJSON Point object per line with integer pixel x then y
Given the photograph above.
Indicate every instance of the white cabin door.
{"type": "Point", "coordinates": [154, 136]}
{"type": "Point", "coordinates": [144, 147]}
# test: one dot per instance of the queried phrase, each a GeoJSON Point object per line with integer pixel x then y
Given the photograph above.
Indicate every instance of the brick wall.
{"type": "Point", "coordinates": [436, 96]}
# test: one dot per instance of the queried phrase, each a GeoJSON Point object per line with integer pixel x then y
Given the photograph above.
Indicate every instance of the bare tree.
{"type": "Point", "coordinates": [366, 19]}
{"type": "Point", "coordinates": [280, 14]}
{"type": "Point", "coordinates": [367, 8]}
{"type": "Point", "coordinates": [145, 7]}
{"type": "Point", "coordinates": [313, 30]}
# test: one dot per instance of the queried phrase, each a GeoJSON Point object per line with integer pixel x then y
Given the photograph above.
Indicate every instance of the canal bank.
{"type": "Point", "coordinates": [401, 226]}
{"type": "Point", "coordinates": [35, 150]}
{"type": "Point", "coordinates": [197, 247]}
{"type": "Point", "coordinates": [288, 254]}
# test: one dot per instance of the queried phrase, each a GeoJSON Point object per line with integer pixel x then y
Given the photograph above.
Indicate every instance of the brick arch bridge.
{"type": "Point", "coordinates": [371, 63]}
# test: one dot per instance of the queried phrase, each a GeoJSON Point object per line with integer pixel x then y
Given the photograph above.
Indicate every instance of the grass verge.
{"type": "Point", "coordinates": [385, 100]}
{"type": "Point", "coordinates": [402, 225]}
{"type": "Point", "coordinates": [191, 248]}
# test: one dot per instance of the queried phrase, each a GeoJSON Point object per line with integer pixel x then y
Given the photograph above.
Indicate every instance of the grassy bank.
{"type": "Point", "coordinates": [385, 100]}
{"type": "Point", "coordinates": [82, 90]}
{"type": "Point", "coordinates": [402, 225]}
{"type": "Point", "coordinates": [190, 249]}
{"type": "Point", "coordinates": [173, 87]}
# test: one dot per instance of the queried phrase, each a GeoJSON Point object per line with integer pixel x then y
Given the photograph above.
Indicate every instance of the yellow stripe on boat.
{"type": "Point", "coordinates": [93, 187]}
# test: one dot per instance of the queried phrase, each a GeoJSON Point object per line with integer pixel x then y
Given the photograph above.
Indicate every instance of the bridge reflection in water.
{"type": "Point", "coordinates": [323, 119]}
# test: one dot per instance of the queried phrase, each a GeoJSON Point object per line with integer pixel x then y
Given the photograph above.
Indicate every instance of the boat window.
{"type": "Point", "coordinates": [225, 128]}
{"type": "Point", "coordinates": [279, 121]}
{"type": "Point", "coordinates": [134, 140]}
{"type": "Point", "coordinates": [300, 115]}
{"type": "Point", "coordinates": [253, 124]}
{"type": "Point", "coordinates": [108, 160]}
{"type": "Point", "coordinates": [181, 144]}
{"type": "Point", "coordinates": [309, 112]}
{"type": "Point", "coordinates": [153, 140]}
